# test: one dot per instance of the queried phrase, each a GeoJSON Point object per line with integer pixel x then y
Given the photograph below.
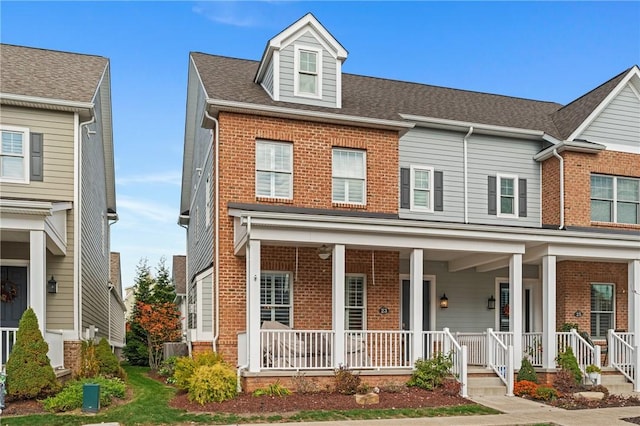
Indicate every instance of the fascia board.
{"type": "Point", "coordinates": [46, 103]}
{"type": "Point", "coordinates": [575, 146]}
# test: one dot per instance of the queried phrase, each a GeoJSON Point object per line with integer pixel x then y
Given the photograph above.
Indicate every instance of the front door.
{"type": "Point", "coordinates": [505, 309]}
{"type": "Point", "coordinates": [13, 287]}
{"type": "Point", "coordinates": [406, 300]}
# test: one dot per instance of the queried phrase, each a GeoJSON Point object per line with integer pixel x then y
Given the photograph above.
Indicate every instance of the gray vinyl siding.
{"type": "Point", "coordinates": [267, 80]}
{"type": "Point", "coordinates": [441, 150]}
{"type": "Point", "coordinates": [618, 123]}
{"type": "Point", "coordinates": [491, 155]}
{"type": "Point", "coordinates": [200, 236]}
{"type": "Point", "coordinates": [287, 70]}
{"type": "Point", "coordinates": [95, 249]}
{"type": "Point", "coordinates": [467, 292]}
{"type": "Point", "coordinates": [58, 132]}
{"type": "Point", "coordinates": [207, 304]}
{"type": "Point", "coordinates": [116, 321]}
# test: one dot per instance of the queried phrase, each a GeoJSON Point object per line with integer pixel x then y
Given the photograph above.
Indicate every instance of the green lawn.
{"type": "Point", "coordinates": [149, 406]}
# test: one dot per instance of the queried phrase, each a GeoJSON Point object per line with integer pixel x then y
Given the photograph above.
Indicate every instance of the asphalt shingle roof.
{"type": "Point", "coordinates": [50, 74]}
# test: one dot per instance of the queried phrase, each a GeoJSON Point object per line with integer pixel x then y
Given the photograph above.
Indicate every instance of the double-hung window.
{"type": "Point", "coordinates": [274, 169]}
{"type": "Point", "coordinates": [602, 306]}
{"type": "Point", "coordinates": [422, 188]}
{"type": "Point", "coordinates": [355, 302]}
{"type": "Point", "coordinates": [349, 176]}
{"type": "Point", "coordinates": [615, 199]}
{"type": "Point", "coordinates": [14, 155]}
{"type": "Point", "coordinates": [275, 297]}
{"type": "Point", "coordinates": [308, 63]}
{"type": "Point", "coordinates": [508, 201]}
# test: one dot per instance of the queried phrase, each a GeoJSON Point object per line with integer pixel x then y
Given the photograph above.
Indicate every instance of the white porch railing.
{"type": "Point", "coordinates": [378, 349]}
{"type": "Point", "coordinates": [6, 342]}
{"type": "Point", "coordinates": [585, 353]}
{"type": "Point", "coordinates": [500, 357]}
{"type": "Point", "coordinates": [459, 358]}
{"type": "Point", "coordinates": [476, 346]}
{"type": "Point", "coordinates": [532, 347]}
{"type": "Point", "coordinates": [56, 347]}
{"type": "Point", "coordinates": [625, 357]}
{"type": "Point", "coordinates": [296, 349]}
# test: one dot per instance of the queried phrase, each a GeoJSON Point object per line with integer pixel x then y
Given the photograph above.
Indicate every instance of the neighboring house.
{"type": "Point", "coordinates": [116, 332]}
{"type": "Point", "coordinates": [179, 276]}
{"type": "Point", "coordinates": [129, 301]}
{"type": "Point", "coordinates": [381, 220]}
{"type": "Point", "coordinates": [57, 199]}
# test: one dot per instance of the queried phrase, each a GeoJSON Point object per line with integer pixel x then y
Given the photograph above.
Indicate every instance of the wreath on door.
{"type": "Point", "coordinates": [505, 310]}
{"type": "Point", "coordinates": [8, 291]}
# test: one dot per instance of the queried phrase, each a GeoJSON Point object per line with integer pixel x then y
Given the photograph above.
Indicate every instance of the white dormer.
{"type": "Point", "coordinates": [303, 64]}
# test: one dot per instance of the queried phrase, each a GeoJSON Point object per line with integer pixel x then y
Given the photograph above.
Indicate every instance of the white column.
{"type": "Point", "coordinates": [416, 310]}
{"type": "Point", "coordinates": [253, 305]}
{"type": "Point", "coordinates": [37, 276]}
{"type": "Point", "coordinates": [634, 298]}
{"type": "Point", "coordinates": [548, 311]}
{"type": "Point", "coordinates": [515, 304]}
{"type": "Point", "coordinates": [337, 279]}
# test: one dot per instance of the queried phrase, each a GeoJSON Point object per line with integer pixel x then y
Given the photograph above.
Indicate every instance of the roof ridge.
{"type": "Point", "coordinates": [54, 50]}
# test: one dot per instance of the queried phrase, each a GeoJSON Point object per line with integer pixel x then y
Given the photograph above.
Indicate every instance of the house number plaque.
{"type": "Point", "coordinates": [383, 310]}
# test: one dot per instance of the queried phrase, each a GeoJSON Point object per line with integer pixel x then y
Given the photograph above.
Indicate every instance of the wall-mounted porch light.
{"type": "Point", "coordinates": [491, 303]}
{"type": "Point", "coordinates": [52, 285]}
{"type": "Point", "coordinates": [444, 301]}
{"type": "Point", "coordinates": [324, 252]}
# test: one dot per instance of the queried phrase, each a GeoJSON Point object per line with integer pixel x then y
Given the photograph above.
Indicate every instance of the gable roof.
{"type": "Point", "coordinates": [50, 74]}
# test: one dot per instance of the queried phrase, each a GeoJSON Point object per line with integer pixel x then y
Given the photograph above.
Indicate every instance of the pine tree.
{"type": "Point", "coordinates": [136, 350]}
{"type": "Point", "coordinates": [164, 290]}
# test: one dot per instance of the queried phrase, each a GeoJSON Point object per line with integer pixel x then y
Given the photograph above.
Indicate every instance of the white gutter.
{"type": "Point", "coordinates": [575, 146]}
{"type": "Point", "coordinates": [561, 160]}
{"type": "Point", "coordinates": [46, 101]}
{"type": "Point", "coordinates": [465, 174]}
{"type": "Point", "coordinates": [216, 224]}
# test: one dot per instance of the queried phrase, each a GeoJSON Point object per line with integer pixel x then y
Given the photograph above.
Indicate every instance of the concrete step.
{"type": "Point", "coordinates": [486, 390]}
{"type": "Point", "coordinates": [485, 381]}
{"type": "Point", "coordinates": [613, 379]}
{"type": "Point", "coordinates": [484, 384]}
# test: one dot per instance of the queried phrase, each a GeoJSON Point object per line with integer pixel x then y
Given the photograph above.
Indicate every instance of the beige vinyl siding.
{"type": "Point", "coordinates": [618, 124]}
{"type": "Point", "coordinates": [60, 305]}
{"type": "Point", "coordinates": [58, 130]}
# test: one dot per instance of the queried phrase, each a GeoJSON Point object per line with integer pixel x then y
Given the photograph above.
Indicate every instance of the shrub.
{"type": "Point", "coordinates": [430, 373]}
{"type": "Point", "coordinates": [70, 398]}
{"type": "Point", "coordinates": [346, 382]}
{"type": "Point", "coordinates": [167, 369]}
{"type": "Point", "coordinates": [525, 388]}
{"type": "Point", "coordinates": [363, 389]}
{"type": "Point", "coordinates": [527, 372]}
{"type": "Point", "coordinates": [108, 362]}
{"type": "Point", "coordinates": [212, 383]}
{"type": "Point", "coordinates": [568, 361]}
{"type": "Point", "coordinates": [565, 382]}
{"type": "Point", "coordinates": [546, 393]}
{"type": "Point", "coordinates": [274, 389]}
{"type": "Point", "coordinates": [29, 371]}
{"type": "Point", "coordinates": [303, 384]}
{"type": "Point", "coordinates": [89, 365]}
{"type": "Point", "coordinates": [185, 366]}
{"type": "Point", "coordinates": [451, 387]}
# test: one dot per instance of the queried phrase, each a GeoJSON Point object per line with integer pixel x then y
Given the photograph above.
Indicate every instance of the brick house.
{"type": "Point", "coordinates": [340, 219]}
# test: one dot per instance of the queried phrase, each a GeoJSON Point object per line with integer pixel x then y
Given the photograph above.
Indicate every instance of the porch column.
{"type": "Point", "coordinates": [253, 305]}
{"type": "Point", "coordinates": [634, 299]}
{"type": "Point", "coordinates": [337, 280]}
{"type": "Point", "coordinates": [38, 277]}
{"type": "Point", "coordinates": [515, 303]}
{"type": "Point", "coordinates": [416, 310]}
{"type": "Point", "coordinates": [548, 311]}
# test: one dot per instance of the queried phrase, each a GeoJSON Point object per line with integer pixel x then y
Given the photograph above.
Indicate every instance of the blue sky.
{"type": "Point", "coordinates": [554, 51]}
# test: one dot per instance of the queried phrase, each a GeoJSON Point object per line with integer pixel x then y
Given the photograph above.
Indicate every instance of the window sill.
{"type": "Point", "coordinates": [275, 200]}
{"type": "Point", "coordinates": [615, 225]}
{"type": "Point", "coordinates": [349, 205]}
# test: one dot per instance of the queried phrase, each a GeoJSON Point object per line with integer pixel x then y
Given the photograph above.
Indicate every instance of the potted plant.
{"type": "Point", "coordinates": [593, 372]}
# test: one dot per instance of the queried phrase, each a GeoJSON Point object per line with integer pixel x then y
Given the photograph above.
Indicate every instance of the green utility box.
{"type": "Point", "coordinates": [90, 398]}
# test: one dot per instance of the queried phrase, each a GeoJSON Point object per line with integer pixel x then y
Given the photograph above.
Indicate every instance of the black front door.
{"type": "Point", "coordinates": [13, 286]}
{"type": "Point", "coordinates": [406, 300]}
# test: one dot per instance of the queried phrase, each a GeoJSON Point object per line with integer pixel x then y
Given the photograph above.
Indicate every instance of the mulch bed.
{"type": "Point", "coordinates": [577, 403]}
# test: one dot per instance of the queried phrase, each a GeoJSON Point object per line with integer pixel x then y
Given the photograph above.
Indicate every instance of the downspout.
{"type": "Point", "coordinates": [465, 173]}
{"type": "Point", "coordinates": [186, 228]}
{"type": "Point", "coordinates": [561, 160]}
{"type": "Point", "coordinates": [110, 287]}
{"type": "Point", "coordinates": [216, 224]}
{"type": "Point", "coordinates": [78, 213]}
{"type": "Point", "coordinates": [244, 366]}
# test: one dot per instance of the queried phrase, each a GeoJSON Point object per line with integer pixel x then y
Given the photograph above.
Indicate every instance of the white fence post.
{"type": "Point", "coordinates": [510, 364]}
{"type": "Point", "coordinates": [463, 373]}
{"type": "Point", "coordinates": [446, 345]}
{"type": "Point", "coordinates": [489, 349]}
{"type": "Point", "coordinates": [610, 348]}
{"type": "Point", "coordinates": [636, 368]}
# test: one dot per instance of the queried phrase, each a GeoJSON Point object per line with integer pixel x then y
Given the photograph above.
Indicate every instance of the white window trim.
{"type": "Point", "coordinates": [296, 74]}
{"type": "Point", "coordinates": [613, 307]}
{"type": "Point", "coordinates": [431, 189]}
{"type": "Point", "coordinates": [516, 204]}
{"type": "Point", "coordinates": [614, 200]}
{"type": "Point", "coordinates": [291, 299]}
{"type": "Point", "coordinates": [290, 171]}
{"type": "Point", "coordinates": [364, 301]}
{"type": "Point", "coordinates": [364, 189]}
{"type": "Point", "coordinates": [26, 153]}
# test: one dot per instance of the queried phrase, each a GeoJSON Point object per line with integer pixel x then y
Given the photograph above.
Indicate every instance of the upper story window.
{"type": "Point", "coordinates": [14, 158]}
{"type": "Point", "coordinates": [422, 188]}
{"type": "Point", "coordinates": [349, 176]}
{"type": "Point", "coordinates": [615, 199]}
{"type": "Point", "coordinates": [508, 195]}
{"type": "Point", "coordinates": [274, 169]}
{"type": "Point", "coordinates": [308, 75]}
{"type": "Point", "coordinates": [275, 297]}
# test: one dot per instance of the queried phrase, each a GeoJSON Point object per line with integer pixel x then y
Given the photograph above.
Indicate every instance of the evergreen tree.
{"type": "Point", "coordinates": [136, 349]}
{"type": "Point", "coordinates": [164, 290]}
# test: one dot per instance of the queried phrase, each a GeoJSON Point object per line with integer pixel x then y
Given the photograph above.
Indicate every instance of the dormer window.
{"type": "Point", "coordinates": [308, 63]}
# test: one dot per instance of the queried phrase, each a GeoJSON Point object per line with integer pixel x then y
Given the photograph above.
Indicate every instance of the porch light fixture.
{"type": "Point", "coordinates": [444, 301]}
{"type": "Point", "coordinates": [491, 303]}
{"type": "Point", "coordinates": [324, 252]}
{"type": "Point", "coordinates": [52, 285]}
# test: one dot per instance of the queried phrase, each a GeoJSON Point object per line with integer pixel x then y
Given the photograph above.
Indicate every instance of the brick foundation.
{"type": "Point", "coordinates": [199, 347]}
{"type": "Point", "coordinates": [73, 356]}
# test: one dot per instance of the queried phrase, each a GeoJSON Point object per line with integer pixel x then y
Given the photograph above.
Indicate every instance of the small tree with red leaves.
{"type": "Point", "coordinates": [161, 321]}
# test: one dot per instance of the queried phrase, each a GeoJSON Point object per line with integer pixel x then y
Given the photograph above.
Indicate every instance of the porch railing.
{"type": "Point", "coordinates": [584, 352]}
{"type": "Point", "coordinates": [625, 357]}
{"type": "Point", "coordinates": [378, 349]}
{"type": "Point", "coordinates": [56, 347]}
{"type": "Point", "coordinates": [532, 347]}
{"type": "Point", "coordinates": [7, 341]}
{"type": "Point", "coordinates": [476, 346]}
{"type": "Point", "coordinates": [296, 349]}
{"type": "Point", "coordinates": [459, 358]}
{"type": "Point", "coordinates": [500, 358]}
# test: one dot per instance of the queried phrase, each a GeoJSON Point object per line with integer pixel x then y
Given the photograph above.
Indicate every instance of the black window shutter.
{"type": "Point", "coordinates": [36, 157]}
{"type": "Point", "coordinates": [438, 194]}
{"type": "Point", "coordinates": [522, 197]}
{"type": "Point", "coordinates": [405, 188]}
{"type": "Point", "coordinates": [492, 195]}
